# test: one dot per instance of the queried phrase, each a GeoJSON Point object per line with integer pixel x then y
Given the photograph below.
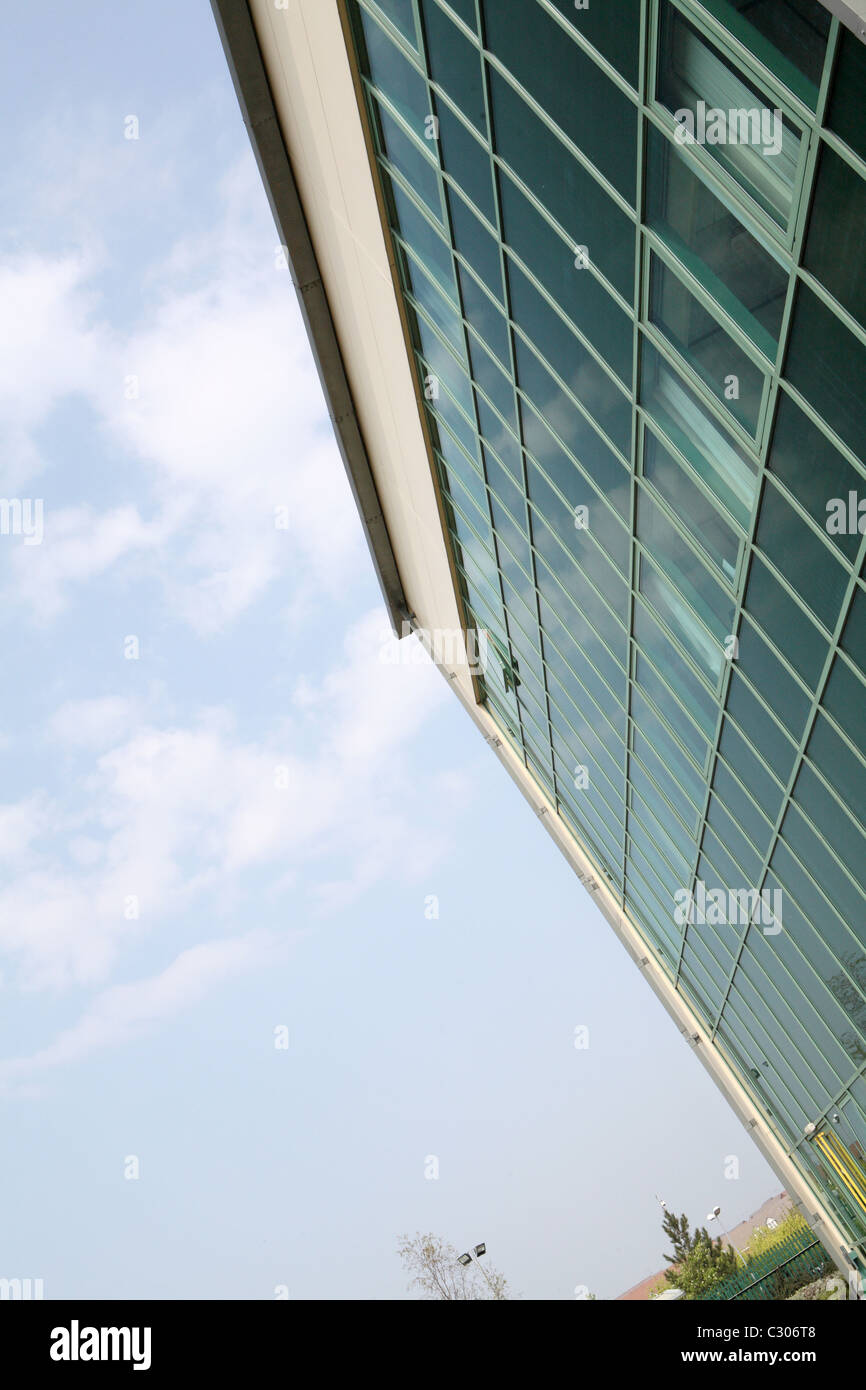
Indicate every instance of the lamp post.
{"type": "Point", "coordinates": [715, 1215]}
{"type": "Point", "coordinates": [477, 1252]}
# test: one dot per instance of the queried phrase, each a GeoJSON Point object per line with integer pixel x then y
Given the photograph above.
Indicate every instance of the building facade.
{"type": "Point", "coordinates": [587, 288]}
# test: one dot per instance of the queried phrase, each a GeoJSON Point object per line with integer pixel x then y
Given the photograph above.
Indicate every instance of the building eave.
{"type": "Point", "coordinates": [246, 65]}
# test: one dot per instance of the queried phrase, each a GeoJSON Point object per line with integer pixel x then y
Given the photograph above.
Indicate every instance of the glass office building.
{"type": "Point", "coordinates": [627, 240]}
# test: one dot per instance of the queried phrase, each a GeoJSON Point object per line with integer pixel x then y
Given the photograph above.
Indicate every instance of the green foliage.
{"type": "Point", "coordinates": [764, 1239]}
{"type": "Point", "coordinates": [700, 1261]}
{"type": "Point", "coordinates": [706, 1265]}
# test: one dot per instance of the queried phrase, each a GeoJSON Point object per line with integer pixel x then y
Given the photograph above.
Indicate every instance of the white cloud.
{"type": "Point", "coordinates": [175, 817]}
{"type": "Point", "coordinates": [228, 424]}
{"type": "Point", "coordinates": [123, 1012]}
{"type": "Point", "coordinates": [93, 723]}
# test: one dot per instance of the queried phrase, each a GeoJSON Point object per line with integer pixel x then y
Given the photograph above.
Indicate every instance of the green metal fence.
{"type": "Point", "coordinates": [777, 1273]}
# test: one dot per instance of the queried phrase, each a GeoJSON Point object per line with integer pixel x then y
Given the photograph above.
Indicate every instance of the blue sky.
{"type": "Point", "coordinates": [238, 829]}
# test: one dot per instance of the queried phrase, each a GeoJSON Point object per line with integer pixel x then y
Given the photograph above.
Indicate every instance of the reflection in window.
{"type": "Point", "coordinates": [735, 122]}
{"type": "Point", "coordinates": [692, 506]}
{"type": "Point", "coordinates": [717, 460]}
{"type": "Point", "coordinates": [679, 618]}
{"type": "Point", "coordinates": [731, 376]}
{"type": "Point", "coordinates": [730, 263]}
{"type": "Point", "coordinates": [788, 36]}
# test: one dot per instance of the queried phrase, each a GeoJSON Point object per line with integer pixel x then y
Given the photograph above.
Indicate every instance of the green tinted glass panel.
{"type": "Point", "coordinates": [678, 674]}
{"type": "Point", "coordinates": [455, 63]}
{"type": "Point", "coordinates": [417, 232]}
{"type": "Point", "coordinates": [760, 728]}
{"type": "Point", "coordinates": [475, 243]}
{"type": "Point", "coordinates": [694, 581]}
{"type": "Point", "coordinates": [722, 464]}
{"type": "Point", "coordinates": [675, 716]}
{"type": "Point", "coordinates": [408, 160]}
{"type": "Point", "coordinates": [578, 293]}
{"type": "Point", "coordinates": [810, 566]}
{"type": "Point", "coordinates": [552, 67]}
{"type": "Point", "coordinates": [695, 510]}
{"type": "Point", "coordinates": [485, 317]}
{"type": "Point", "coordinates": [401, 16]}
{"type": "Point", "coordinates": [596, 459]}
{"type": "Point", "coordinates": [394, 75]}
{"type": "Point", "coordinates": [845, 699]}
{"type": "Point", "coordinates": [492, 380]}
{"type": "Point", "coordinates": [827, 364]}
{"type": "Point", "coordinates": [589, 383]}
{"type": "Point", "coordinates": [816, 473]}
{"type": "Point", "coordinates": [790, 632]}
{"type": "Point", "coordinates": [787, 36]}
{"type": "Point", "coordinates": [854, 631]}
{"type": "Point", "coordinates": [713, 244]}
{"type": "Point", "coordinates": [743, 761]}
{"type": "Point", "coordinates": [834, 249]}
{"type": "Point", "coordinates": [613, 29]}
{"type": "Point", "coordinates": [846, 113]}
{"type": "Point", "coordinates": [844, 771]}
{"type": "Point", "coordinates": [748, 137]}
{"type": "Point", "coordinates": [586, 213]}
{"type": "Point", "coordinates": [733, 378]}
{"type": "Point", "coordinates": [466, 160]}
{"type": "Point", "coordinates": [766, 673]}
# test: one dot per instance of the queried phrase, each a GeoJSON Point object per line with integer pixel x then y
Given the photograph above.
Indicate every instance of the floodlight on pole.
{"type": "Point", "coordinates": [477, 1252]}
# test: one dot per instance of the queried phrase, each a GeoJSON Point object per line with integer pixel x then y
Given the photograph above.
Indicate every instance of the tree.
{"type": "Point", "coordinates": [700, 1261]}
{"type": "Point", "coordinates": [436, 1271]}
{"type": "Point", "coordinates": [706, 1265]}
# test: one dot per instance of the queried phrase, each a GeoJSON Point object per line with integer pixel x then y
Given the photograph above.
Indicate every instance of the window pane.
{"type": "Point", "coordinates": [577, 291]}
{"type": "Point", "coordinates": [834, 250]}
{"type": "Point", "coordinates": [413, 226]}
{"type": "Point", "coordinates": [740, 757]}
{"type": "Point", "coordinates": [680, 620]}
{"type": "Point", "coordinates": [552, 68]}
{"type": "Point", "coordinates": [839, 766]}
{"type": "Point", "coordinates": [394, 75]}
{"type": "Point", "coordinates": [788, 36]}
{"type": "Point", "coordinates": [671, 710]}
{"type": "Point", "coordinates": [597, 460]}
{"type": "Point", "coordinates": [474, 242]}
{"type": "Point", "coordinates": [408, 160]}
{"type": "Point", "coordinates": [455, 63]}
{"type": "Point", "coordinates": [613, 29]}
{"type": "Point", "coordinates": [739, 128]}
{"type": "Point", "coordinates": [578, 202]}
{"type": "Point", "coordinates": [485, 317]}
{"type": "Point", "coordinates": [769, 677]}
{"type": "Point", "coordinates": [705, 345]}
{"type": "Point", "coordinates": [692, 506]}
{"type": "Point", "coordinates": [847, 116]}
{"type": "Point", "coordinates": [854, 631]}
{"type": "Point", "coordinates": [827, 364]}
{"type": "Point", "coordinates": [665, 657]}
{"type": "Point", "coordinates": [810, 566]}
{"type": "Point", "coordinates": [812, 469]}
{"type": "Point", "coordinates": [845, 698]}
{"type": "Point", "coordinates": [694, 581]}
{"type": "Point", "coordinates": [787, 627]}
{"type": "Point", "coordinates": [730, 263]}
{"type": "Point", "coordinates": [492, 379]}
{"type": "Point", "coordinates": [723, 465]}
{"type": "Point", "coordinates": [591, 385]}
{"type": "Point", "coordinates": [760, 728]}
{"type": "Point", "coordinates": [467, 161]}
{"type": "Point", "coordinates": [400, 14]}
